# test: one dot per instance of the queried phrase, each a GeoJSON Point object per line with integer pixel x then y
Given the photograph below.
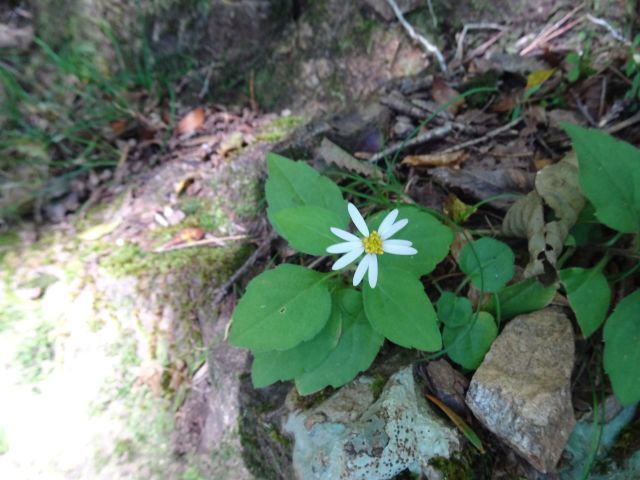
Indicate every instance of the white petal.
{"type": "Point", "coordinates": [357, 219]}
{"type": "Point", "coordinates": [393, 241]}
{"type": "Point", "coordinates": [347, 258]}
{"type": "Point", "coordinates": [344, 247]}
{"type": "Point", "coordinates": [395, 228]}
{"type": "Point", "coordinates": [361, 270]}
{"type": "Point", "coordinates": [349, 237]}
{"type": "Point", "coordinates": [373, 270]}
{"type": "Point", "coordinates": [387, 222]}
{"type": "Point", "coordinates": [398, 249]}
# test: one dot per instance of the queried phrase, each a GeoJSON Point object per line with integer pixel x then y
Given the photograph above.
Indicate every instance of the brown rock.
{"type": "Point", "coordinates": [522, 392]}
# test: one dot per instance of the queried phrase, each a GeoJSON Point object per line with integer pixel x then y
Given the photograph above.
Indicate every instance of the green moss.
{"type": "Point", "coordinates": [377, 385]}
{"type": "Point", "coordinates": [279, 127]}
{"type": "Point", "coordinates": [452, 468]}
{"type": "Point", "coordinates": [276, 436]}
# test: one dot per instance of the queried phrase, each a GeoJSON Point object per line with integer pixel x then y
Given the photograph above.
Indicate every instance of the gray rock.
{"type": "Point", "coordinates": [349, 437]}
{"type": "Point", "coordinates": [522, 392]}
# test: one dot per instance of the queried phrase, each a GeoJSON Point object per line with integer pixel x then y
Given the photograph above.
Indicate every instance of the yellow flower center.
{"type": "Point", "coordinates": [373, 243]}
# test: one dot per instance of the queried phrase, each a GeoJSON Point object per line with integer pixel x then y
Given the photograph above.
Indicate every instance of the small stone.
{"type": "Point", "coordinates": [348, 437]}
{"type": "Point", "coordinates": [522, 391]}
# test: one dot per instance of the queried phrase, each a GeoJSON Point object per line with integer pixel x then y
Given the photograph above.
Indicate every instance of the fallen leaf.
{"type": "Point", "coordinates": [118, 127]}
{"type": "Point", "coordinates": [334, 155]}
{"type": "Point", "coordinates": [182, 185]}
{"type": "Point", "coordinates": [99, 231]}
{"type": "Point", "coordinates": [436, 159]}
{"type": "Point", "coordinates": [459, 423]}
{"type": "Point", "coordinates": [191, 234]}
{"type": "Point", "coordinates": [456, 209]}
{"type": "Point", "coordinates": [538, 77]}
{"type": "Point", "coordinates": [557, 187]}
{"type": "Point", "coordinates": [192, 121]}
{"type": "Point", "coordinates": [443, 93]}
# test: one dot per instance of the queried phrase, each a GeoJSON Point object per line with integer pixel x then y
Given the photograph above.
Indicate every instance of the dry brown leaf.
{"type": "Point", "coordinates": [192, 121]}
{"type": "Point", "coordinates": [436, 159]}
{"type": "Point", "coordinates": [334, 155]}
{"type": "Point", "coordinates": [443, 93]}
{"type": "Point", "coordinates": [190, 234]}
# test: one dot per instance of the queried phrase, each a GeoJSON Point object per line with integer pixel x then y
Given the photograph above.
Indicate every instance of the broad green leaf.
{"type": "Point", "coordinates": [430, 238]}
{"type": "Point", "coordinates": [621, 352]}
{"type": "Point", "coordinates": [280, 309]}
{"type": "Point", "coordinates": [356, 350]}
{"type": "Point", "coordinates": [269, 367]}
{"type": "Point", "coordinates": [308, 229]}
{"type": "Point", "coordinates": [609, 176]}
{"type": "Point", "coordinates": [589, 296]}
{"type": "Point", "coordinates": [488, 263]}
{"type": "Point", "coordinates": [467, 346]}
{"type": "Point", "coordinates": [399, 309]}
{"type": "Point", "coordinates": [522, 297]}
{"type": "Point", "coordinates": [453, 311]}
{"type": "Point", "coordinates": [296, 184]}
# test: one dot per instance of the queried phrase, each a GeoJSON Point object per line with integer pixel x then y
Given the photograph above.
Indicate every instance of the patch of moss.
{"type": "Point", "coordinates": [377, 385]}
{"type": "Point", "coordinates": [279, 127]}
{"type": "Point", "coordinates": [452, 468]}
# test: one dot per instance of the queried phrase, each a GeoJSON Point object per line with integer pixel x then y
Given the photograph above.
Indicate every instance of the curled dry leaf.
{"type": "Point", "coordinates": [556, 187]}
{"type": "Point", "coordinates": [191, 122]}
{"type": "Point", "coordinates": [334, 155]}
{"type": "Point", "coordinates": [232, 142]}
{"type": "Point", "coordinates": [436, 159]}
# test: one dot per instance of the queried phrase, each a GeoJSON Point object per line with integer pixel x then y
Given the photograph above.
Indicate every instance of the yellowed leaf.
{"type": "Point", "coordinates": [539, 77]}
{"type": "Point", "coordinates": [182, 185]}
{"type": "Point", "coordinates": [99, 231]}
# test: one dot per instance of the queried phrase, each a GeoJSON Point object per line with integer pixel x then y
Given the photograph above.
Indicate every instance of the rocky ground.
{"type": "Point", "coordinates": [113, 320]}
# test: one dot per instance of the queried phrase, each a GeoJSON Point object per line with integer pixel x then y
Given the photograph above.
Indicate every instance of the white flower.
{"type": "Point", "coordinates": [373, 244]}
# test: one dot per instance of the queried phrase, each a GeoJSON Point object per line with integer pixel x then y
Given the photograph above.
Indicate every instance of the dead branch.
{"type": "Point", "coordinates": [491, 134]}
{"type": "Point", "coordinates": [426, 137]}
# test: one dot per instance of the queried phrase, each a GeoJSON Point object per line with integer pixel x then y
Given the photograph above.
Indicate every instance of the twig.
{"type": "Point", "coordinates": [583, 109]}
{"type": "Point", "coordinates": [603, 23]}
{"type": "Point", "coordinates": [624, 124]}
{"type": "Point", "coordinates": [219, 241]}
{"type": "Point", "coordinates": [433, 134]}
{"type": "Point", "coordinates": [548, 31]}
{"type": "Point", "coordinates": [473, 26]}
{"type": "Point", "coordinates": [479, 50]}
{"type": "Point", "coordinates": [433, 14]}
{"type": "Point", "coordinates": [401, 105]}
{"type": "Point", "coordinates": [430, 47]}
{"type": "Point", "coordinates": [220, 292]}
{"type": "Point", "coordinates": [491, 134]}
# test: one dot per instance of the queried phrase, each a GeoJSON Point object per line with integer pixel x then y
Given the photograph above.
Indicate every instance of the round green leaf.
{"type": "Point", "coordinates": [488, 263]}
{"type": "Point", "coordinates": [621, 352]}
{"type": "Point", "coordinates": [430, 238]}
{"type": "Point", "coordinates": [280, 309]}
{"type": "Point", "coordinates": [356, 349]}
{"type": "Point", "coordinates": [269, 367]}
{"type": "Point", "coordinates": [296, 184]}
{"type": "Point", "coordinates": [308, 229]}
{"type": "Point", "coordinates": [468, 346]}
{"type": "Point", "coordinates": [453, 311]}
{"type": "Point", "coordinates": [399, 309]}
{"type": "Point", "coordinates": [522, 297]}
{"type": "Point", "coordinates": [589, 296]}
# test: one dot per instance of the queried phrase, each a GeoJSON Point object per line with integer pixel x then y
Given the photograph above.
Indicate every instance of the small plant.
{"type": "Point", "coordinates": [316, 328]}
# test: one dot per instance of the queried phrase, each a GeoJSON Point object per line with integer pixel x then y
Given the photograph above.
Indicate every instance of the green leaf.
{"type": "Point", "coordinates": [488, 263]}
{"type": "Point", "coordinates": [621, 352]}
{"type": "Point", "coordinates": [522, 297]}
{"type": "Point", "coordinates": [468, 346]}
{"type": "Point", "coordinates": [609, 177]}
{"type": "Point", "coordinates": [430, 238]}
{"type": "Point", "coordinates": [453, 311]}
{"type": "Point", "coordinates": [399, 309]}
{"type": "Point", "coordinates": [280, 309]}
{"type": "Point", "coordinates": [356, 350]}
{"type": "Point", "coordinates": [296, 184]}
{"type": "Point", "coordinates": [589, 296]}
{"type": "Point", "coordinates": [308, 229]}
{"type": "Point", "coordinates": [269, 367]}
